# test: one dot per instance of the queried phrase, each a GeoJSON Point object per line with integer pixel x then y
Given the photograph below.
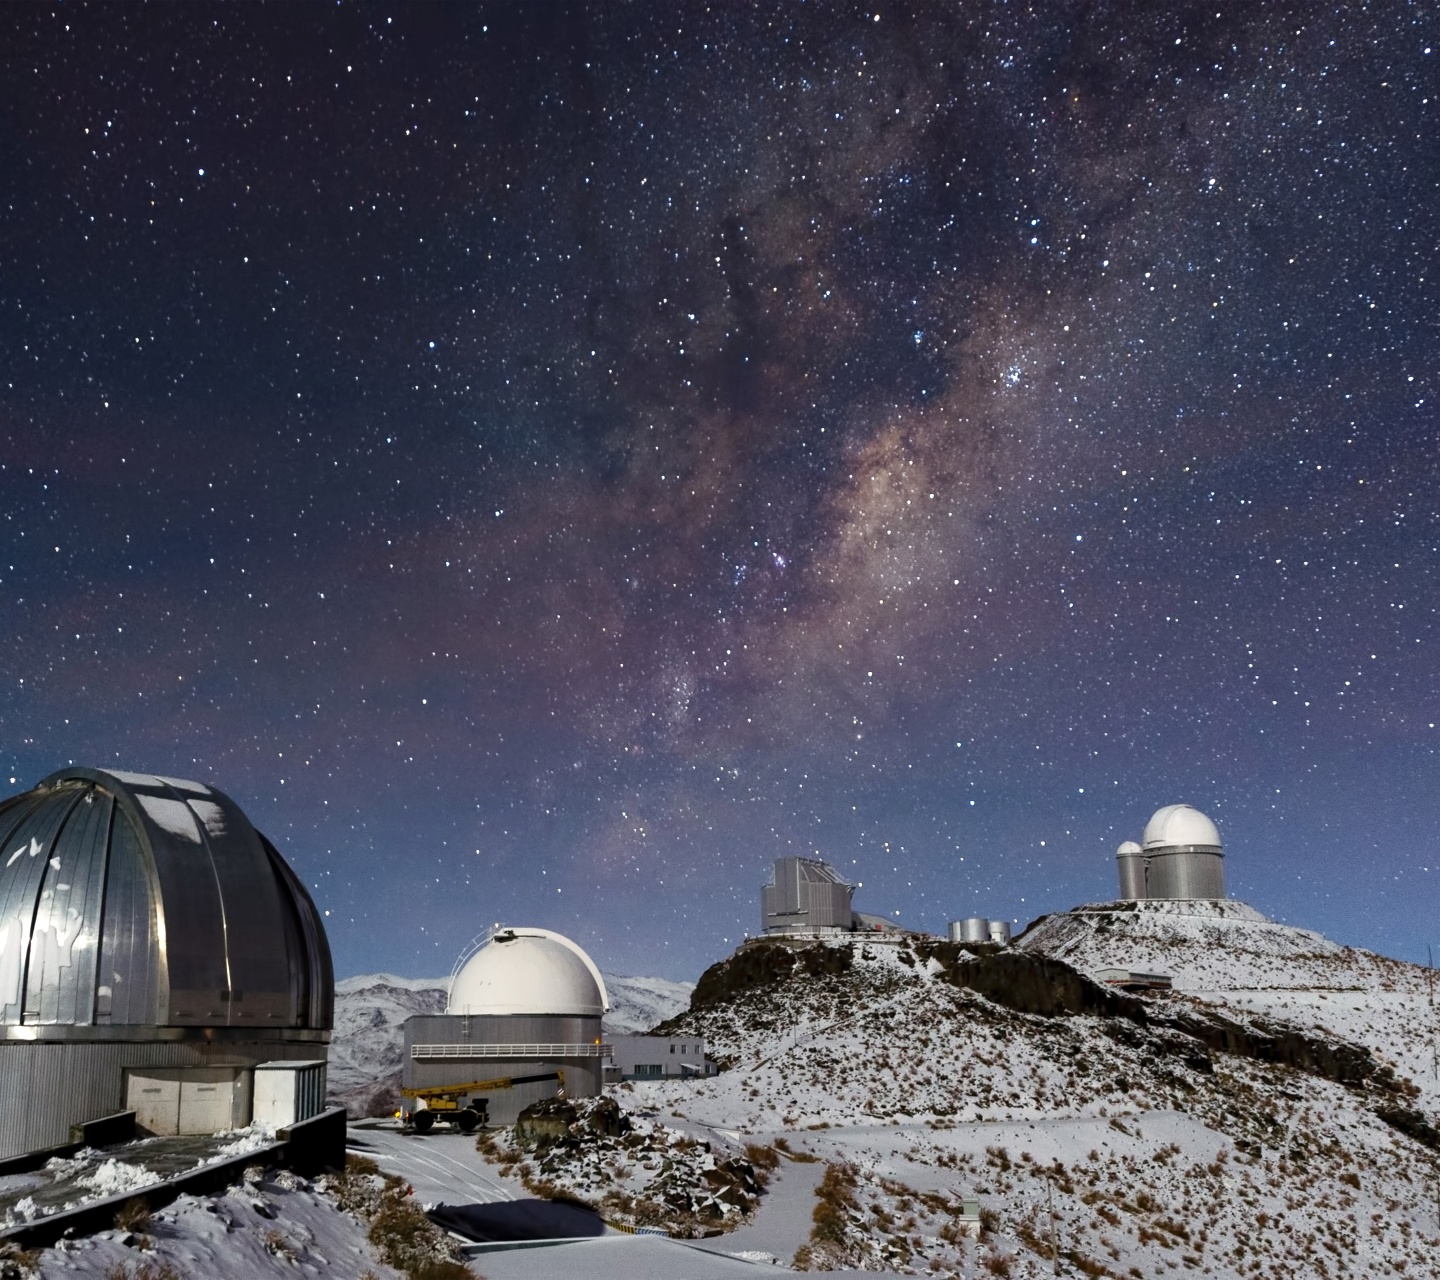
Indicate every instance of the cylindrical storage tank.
{"type": "Point", "coordinates": [1000, 932]}
{"type": "Point", "coordinates": [975, 929]}
{"type": "Point", "coordinates": [1130, 860]}
{"type": "Point", "coordinates": [955, 931]}
{"type": "Point", "coordinates": [154, 949]}
{"type": "Point", "coordinates": [1186, 859]}
{"type": "Point", "coordinates": [525, 1002]}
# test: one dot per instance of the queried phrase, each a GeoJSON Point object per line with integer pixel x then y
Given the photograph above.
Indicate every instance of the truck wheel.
{"type": "Point", "coordinates": [423, 1121]}
{"type": "Point", "coordinates": [468, 1120]}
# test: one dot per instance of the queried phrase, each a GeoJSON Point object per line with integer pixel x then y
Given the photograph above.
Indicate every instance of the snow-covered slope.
{"type": "Point", "coordinates": [1168, 1135]}
{"type": "Point", "coordinates": [370, 1011]}
{"type": "Point", "coordinates": [1227, 954]}
{"type": "Point", "coordinates": [280, 1225]}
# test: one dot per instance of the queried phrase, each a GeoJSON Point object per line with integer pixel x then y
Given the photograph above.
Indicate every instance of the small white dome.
{"type": "Point", "coordinates": [1126, 849]}
{"type": "Point", "coordinates": [529, 971]}
{"type": "Point", "coordinates": [1179, 824]}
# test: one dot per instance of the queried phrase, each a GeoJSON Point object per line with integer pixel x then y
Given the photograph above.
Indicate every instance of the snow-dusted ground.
{"type": "Point", "coordinates": [443, 1168]}
{"type": "Point", "coordinates": [1227, 954]}
{"type": "Point", "coordinates": [1152, 1163]}
{"type": "Point", "coordinates": [95, 1174]}
{"type": "Point", "coordinates": [367, 1048]}
{"type": "Point", "coordinates": [277, 1227]}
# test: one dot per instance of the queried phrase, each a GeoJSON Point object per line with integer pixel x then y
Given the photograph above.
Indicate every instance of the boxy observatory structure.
{"type": "Point", "coordinates": [522, 1020]}
{"type": "Point", "coordinates": [155, 949]}
{"type": "Point", "coordinates": [807, 897]}
{"type": "Point", "coordinates": [1181, 859]}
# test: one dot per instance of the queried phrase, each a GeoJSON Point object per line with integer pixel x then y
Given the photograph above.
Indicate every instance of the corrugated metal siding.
{"type": "Point", "coordinates": [128, 990]}
{"type": "Point", "coordinates": [60, 977]}
{"type": "Point", "coordinates": [1187, 875]}
{"type": "Point", "coordinates": [582, 1076]}
{"type": "Point", "coordinates": [26, 857]}
{"type": "Point", "coordinates": [47, 1087]}
{"type": "Point", "coordinates": [516, 1028]}
{"type": "Point", "coordinates": [1132, 876]}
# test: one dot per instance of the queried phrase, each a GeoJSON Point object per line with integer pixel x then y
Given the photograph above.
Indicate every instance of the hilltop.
{"type": "Point", "coordinates": [1169, 1133]}
{"type": "Point", "coordinates": [1227, 955]}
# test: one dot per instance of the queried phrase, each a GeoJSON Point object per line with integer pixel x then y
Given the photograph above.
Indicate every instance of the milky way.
{"type": "Point", "coordinates": [546, 462]}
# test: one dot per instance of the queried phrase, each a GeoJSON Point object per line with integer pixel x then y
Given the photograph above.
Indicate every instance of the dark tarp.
{"type": "Point", "coordinates": [518, 1220]}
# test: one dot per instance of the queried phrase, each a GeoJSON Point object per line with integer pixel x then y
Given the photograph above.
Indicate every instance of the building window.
{"type": "Point", "coordinates": [649, 1070]}
{"type": "Point", "coordinates": [672, 1048]}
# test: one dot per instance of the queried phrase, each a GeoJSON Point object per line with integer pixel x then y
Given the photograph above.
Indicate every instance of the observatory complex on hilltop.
{"type": "Point", "coordinates": [807, 896]}
{"type": "Point", "coordinates": [1181, 859]}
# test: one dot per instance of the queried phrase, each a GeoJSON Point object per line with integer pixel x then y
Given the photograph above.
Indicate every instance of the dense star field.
{"type": "Point", "coordinates": [546, 461]}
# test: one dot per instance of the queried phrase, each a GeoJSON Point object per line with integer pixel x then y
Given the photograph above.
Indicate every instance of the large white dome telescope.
{"type": "Point", "coordinates": [1179, 826]}
{"type": "Point", "coordinates": [1182, 859]}
{"type": "Point", "coordinates": [521, 1021]}
{"type": "Point", "coordinates": [528, 971]}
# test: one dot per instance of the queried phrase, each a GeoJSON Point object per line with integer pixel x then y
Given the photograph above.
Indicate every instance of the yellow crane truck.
{"type": "Point", "coordinates": [458, 1104]}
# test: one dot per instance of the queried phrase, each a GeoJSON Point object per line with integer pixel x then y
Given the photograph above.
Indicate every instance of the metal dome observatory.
{"type": "Point", "coordinates": [154, 949]}
{"type": "Point", "coordinates": [1181, 858]}
{"type": "Point", "coordinates": [523, 1012]}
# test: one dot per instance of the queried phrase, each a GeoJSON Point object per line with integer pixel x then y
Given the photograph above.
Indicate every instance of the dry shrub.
{"type": "Point", "coordinates": [761, 1156]}
{"type": "Point", "coordinates": [145, 1269]}
{"type": "Point", "coordinates": [408, 1241]}
{"type": "Point", "coordinates": [134, 1215]}
{"type": "Point", "coordinates": [836, 1194]}
{"type": "Point", "coordinates": [16, 1262]}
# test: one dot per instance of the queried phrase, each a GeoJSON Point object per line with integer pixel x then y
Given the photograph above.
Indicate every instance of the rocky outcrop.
{"type": "Point", "coordinates": [767, 963]}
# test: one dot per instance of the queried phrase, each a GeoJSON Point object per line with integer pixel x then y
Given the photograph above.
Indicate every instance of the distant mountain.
{"type": "Point", "coordinates": [637, 1004]}
{"type": "Point", "coordinates": [367, 1051]}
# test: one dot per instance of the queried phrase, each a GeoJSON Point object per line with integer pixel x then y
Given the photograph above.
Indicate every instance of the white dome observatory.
{"type": "Point", "coordinates": [1179, 826]}
{"type": "Point", "coordinates": [528, 971]}
{"type": "Point", "coordinates": [521, 1022]}
{"type": "Point", "coordinates": [1182, 858]}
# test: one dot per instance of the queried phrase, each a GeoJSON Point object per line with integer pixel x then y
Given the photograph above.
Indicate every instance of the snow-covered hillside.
{"type": "Point", "coordinates": [1227, 954]}
{"type": "Point", "coordinates": [370, 1011]}
{"type": "Point", "coordinates": [1168, 1135]}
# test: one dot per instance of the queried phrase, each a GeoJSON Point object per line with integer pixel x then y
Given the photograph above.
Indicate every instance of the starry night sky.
{"type": "Point", "coordinates": [545, 462]}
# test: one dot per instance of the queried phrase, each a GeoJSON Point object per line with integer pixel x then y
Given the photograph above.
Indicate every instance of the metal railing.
{"type": "Point", "coordinates": [524, 1052]}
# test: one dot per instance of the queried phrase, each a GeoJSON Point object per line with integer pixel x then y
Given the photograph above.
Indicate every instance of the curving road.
{"type": "Point", "coordinates": [444, 1168]}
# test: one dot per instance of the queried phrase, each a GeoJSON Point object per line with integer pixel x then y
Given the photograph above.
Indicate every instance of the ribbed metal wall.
{"type": "Point", "coordinates": [46, 1087]}
{"type": "Point", "coordinates": [805, 894]}
{"type": "Point", "coordinates": [1186, 874]}
{"type": "Point", "coordinates": [975, 929]}
{"type": "Point", "coordinates": [582, 1075]}
{"type": "Point", "coordinates": [1132, 876]}
{"type": "Point", "coordinates": [132, 900]}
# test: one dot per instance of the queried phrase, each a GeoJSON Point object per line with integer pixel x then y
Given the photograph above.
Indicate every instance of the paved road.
{"type": "Point", "coordinates": [444, 1168]}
